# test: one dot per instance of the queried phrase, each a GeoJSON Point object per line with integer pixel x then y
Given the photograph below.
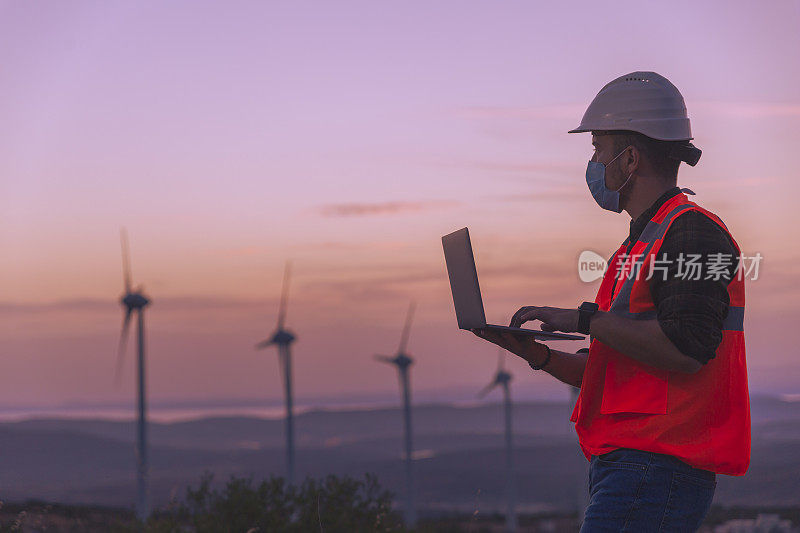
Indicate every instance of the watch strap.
{"type": "Point", "coordinates": [585, 313]}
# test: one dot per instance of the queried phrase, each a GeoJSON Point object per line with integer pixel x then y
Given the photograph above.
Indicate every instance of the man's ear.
{"type": "Point", "coordinates": [633, 159]}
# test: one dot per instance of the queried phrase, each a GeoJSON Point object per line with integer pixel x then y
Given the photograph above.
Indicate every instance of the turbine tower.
{"type": "Point", "coordinates": [503, 378]}
{"type": "Point", "coordinates": [135, 301]}
{"type": "Point", "coordinates": [283, 339]}
{"type": "Point", "coordinates": [402, 361]}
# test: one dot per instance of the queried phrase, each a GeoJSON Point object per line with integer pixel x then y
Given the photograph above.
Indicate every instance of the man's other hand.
{"type": "Point", "coordinates": [522, 345]}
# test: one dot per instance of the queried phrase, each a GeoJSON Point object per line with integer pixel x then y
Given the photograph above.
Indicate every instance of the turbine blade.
{"type": "Point", "coordinates": [384, 359]}
{"type": "Point", "coordinates": [501, 367]}
{"type": "Point", "coordinates": [407, 327]}
{"type": "Point", "coordinates": [126, 260]}
{"type": "Point", "coordinates": [123, 342]}
{"type": "Point", "coordinates": [287, 270]}
{"type": "Point", "coordinates": [487, 389]}
{"type": "Point", "coordinates": [263, 344]}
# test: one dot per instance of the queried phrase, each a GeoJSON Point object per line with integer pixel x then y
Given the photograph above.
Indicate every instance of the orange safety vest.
{"type": "Point", "coordinates": [703, 418]}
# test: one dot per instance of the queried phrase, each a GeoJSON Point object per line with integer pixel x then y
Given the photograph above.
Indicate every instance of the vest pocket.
{"type": "Point", "coordinates": [633, 387]}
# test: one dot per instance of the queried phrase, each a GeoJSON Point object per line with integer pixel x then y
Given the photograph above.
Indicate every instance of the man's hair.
{"type": "Point", "coordinates": [656, 152]}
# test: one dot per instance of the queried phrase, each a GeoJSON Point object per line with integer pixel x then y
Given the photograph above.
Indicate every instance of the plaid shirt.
{"type": "Point", "coordinates": [690, 311]}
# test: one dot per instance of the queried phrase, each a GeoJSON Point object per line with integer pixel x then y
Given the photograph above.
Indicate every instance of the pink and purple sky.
{"type": "Point", "coordinates": [348, 137]}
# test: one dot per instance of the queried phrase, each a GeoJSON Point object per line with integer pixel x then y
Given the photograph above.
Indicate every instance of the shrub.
{"type": "Point", "coordinates": [330, 505]}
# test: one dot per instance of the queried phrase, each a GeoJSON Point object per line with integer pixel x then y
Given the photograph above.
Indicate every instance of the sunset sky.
{"type": "Point", "coordinates": [228, 137]}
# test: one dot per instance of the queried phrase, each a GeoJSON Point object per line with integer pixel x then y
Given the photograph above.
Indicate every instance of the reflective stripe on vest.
{"type": "Point", "coordinates": [653, 232]}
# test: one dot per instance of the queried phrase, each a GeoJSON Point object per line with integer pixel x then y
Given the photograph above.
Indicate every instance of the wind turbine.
{"type": "Point", "coordinates": [502, 378]}
{"type": "Point", "coordinates": [134, 302]}
{"type": "Point", "coordinates": [283, 339]}
{"type": "Point", "coordinates": [402, 361]}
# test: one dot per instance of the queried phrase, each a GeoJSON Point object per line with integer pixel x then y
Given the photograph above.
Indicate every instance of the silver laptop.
{"type": "Point", "coordinates": [467, 292]}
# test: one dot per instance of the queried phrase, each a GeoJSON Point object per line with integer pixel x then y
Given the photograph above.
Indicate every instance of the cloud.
{"type": "Point", "coordinates": [520, 124]}
{"type": "Point", "coordinates": [551, 170]}
{"type": "Point", "coordinates": [380, 208]}
{"type": "Point", "coordinates": [384, 277]}
{"type": "Point", "coordinates": [112, 304]}
{"type": "Point", "coordinates": [544, 196]}
{"type": "Point", "coordinates": [571, 111]}
{"type": "Point", "coordinates": [400, 276]}
{"type": "Point", "coordinates": [747, 109]}
{"type": "Point", "coordinates": [565, 168]}
{"type": "Point", "coordinates": [564, 111]}
{"type": "Point", "coordinates": [332, 245]}
{"type": "Point", "coordinates": [544, 272]}
{"type": "Point", "coordinates": [61, 305]}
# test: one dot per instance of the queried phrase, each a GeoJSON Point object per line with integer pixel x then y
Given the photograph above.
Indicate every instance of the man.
{"type": "Point", "coordinates": [663, 405]}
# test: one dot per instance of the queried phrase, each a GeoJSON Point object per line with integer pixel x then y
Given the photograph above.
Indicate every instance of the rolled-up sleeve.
{"type": "Point", "coordinates": [691, 311]}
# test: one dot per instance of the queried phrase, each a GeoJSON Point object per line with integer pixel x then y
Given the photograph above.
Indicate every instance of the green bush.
{"type": "Point", "coordinates": [330, 505]}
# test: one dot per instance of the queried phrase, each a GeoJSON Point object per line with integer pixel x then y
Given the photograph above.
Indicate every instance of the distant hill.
{"type": "Point", "coordinates": [460, 453]}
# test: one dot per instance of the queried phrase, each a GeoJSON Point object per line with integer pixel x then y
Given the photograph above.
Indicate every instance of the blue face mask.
{"type": "Point", "coordinates": [596, 180]}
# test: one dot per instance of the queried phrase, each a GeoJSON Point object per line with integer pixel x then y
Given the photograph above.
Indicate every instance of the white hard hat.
{"type": "Point", "coordinates": [643, 102]}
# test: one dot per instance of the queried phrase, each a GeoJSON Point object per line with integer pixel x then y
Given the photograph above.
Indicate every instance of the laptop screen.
{"type": "Point", "coordinates": [463, 279]}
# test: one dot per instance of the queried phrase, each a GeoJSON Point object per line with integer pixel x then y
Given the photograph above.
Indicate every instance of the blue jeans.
{"type": "Point", "coordinates": [632, 490]}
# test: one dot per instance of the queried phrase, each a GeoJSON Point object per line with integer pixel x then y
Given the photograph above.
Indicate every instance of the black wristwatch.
{"type": "Point", "coordinates": [585, 313]}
